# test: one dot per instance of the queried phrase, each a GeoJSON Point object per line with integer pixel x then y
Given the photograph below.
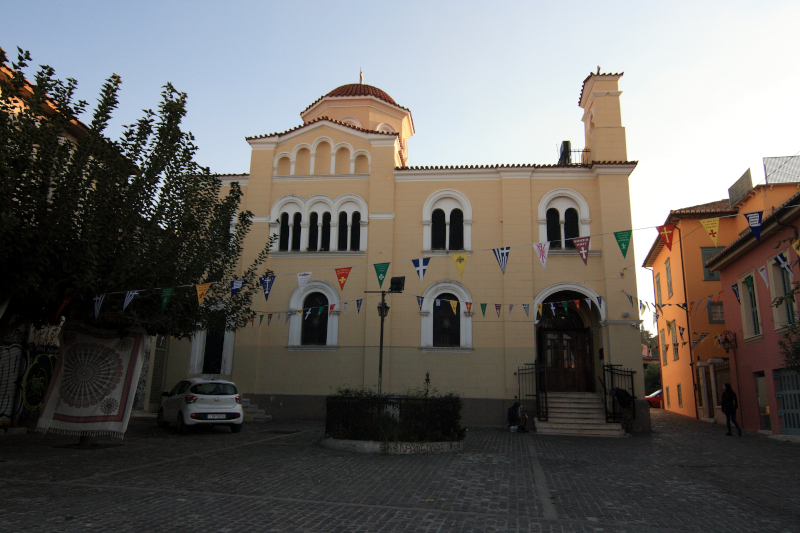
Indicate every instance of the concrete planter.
{"type": "Point", "coordinates": [393, 448]}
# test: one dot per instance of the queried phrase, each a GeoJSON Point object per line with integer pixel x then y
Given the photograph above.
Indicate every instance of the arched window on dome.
{"type": "Point", "coordinates": [446, 322]}
{"type": "Point", "coordinates": [283, 245]}
{"type": "Point", "coordinates": [438, 231]}
{"type": "Point", "coordinates": [315, 326]}
{"type": "Point", "coordinates": [296, 230]}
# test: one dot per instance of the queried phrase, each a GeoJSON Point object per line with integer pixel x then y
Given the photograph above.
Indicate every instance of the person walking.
{"type": "Point", "coordinates": [729, 406]}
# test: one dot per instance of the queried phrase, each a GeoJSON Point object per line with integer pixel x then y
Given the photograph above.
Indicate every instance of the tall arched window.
{"type": "Point", "coordinates": [355, 233]}
{"type": "Point", "coordinates": [284, 238]}
{"type": "Point", "coordinates": [325, 241]}
{"type": "Point", "coordinates": [438, 231]}
{"type": "Point", "coordinates": [571, 228]}
{"type": "Point", "coordinates": [284, 166]}
{"type": "Point", "coordinates": [315, 325]}
{"type": "Point", "coordinates": [446, 323]}
{"type": "Point", "coordinates": [313, 232]}
{"type": "Point", "coordinates": [456, 230]}
{"type": "Point", "coordinates": [553, 228]}
{"type": "Point", "coordinates": [342, 240]}
{"type": "Point", "coordinates": [296, 229]}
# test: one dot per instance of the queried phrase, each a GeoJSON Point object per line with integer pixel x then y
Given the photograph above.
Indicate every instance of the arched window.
{"type": "Point", "coordinates": [284, 237]}
{"type": "Point", "coordinates": [315, 320]}
{"type": "Point", "coordinates": [322, 159]}
{"type": "Point", "coordinates": [342, 161]}
{"type": "Point", "coordinates": [296, 230]}
{"type": "Point", "coordinates": [438, 231]}
{"type": "Point", "coordinates": [446, 322]}
{"type": "Point", "coordinates": [553, 228]}
{"type": "Point", "coordinates": [571, 228]}
{"type": "Point", "coordinates": [284, 167]}
{"type": "Point", "coordinates": [362, 164]}
{"type": "Point", "coordinates": [313, 232]}
{"type": "Point", "coordinates": [355, 233]}
{"type": "Point", "coordinates": [342, 240]}
{"type": "Point", "coordinates": [456, 230]}
{"type": "Point", "coordinates": [302, 162]}
{"type": "Point", "coordinates": [325, 241]}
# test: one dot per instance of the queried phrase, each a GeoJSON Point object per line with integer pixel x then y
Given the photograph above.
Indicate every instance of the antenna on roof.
{"type": "Point", "coordinates": [361, 76]}
{"type": "Point", "coordinates": [598, 70]}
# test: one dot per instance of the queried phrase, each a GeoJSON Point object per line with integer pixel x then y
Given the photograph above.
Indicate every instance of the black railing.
{"type": "Point", "coordinates": [615, 376]}
{"type": "Point", "coordinates": [394, 418]}
{"type": "Point", "coordinates": [533, 390]}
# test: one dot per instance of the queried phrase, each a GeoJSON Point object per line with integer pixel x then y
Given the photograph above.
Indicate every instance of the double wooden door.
{"type": "Point", "coordinates": [567, 356]}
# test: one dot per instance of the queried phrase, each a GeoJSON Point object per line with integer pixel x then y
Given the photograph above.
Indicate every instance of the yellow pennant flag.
{"type": "Point", "coordinates": [796, 247]}
{"type": "Point", "coordinates": [461, 262]}
{"type": "Point", "coordinates": [454, 304]}
{"type": "Point", "coordinates": [712, 227]}
{"type": "Point", "coordinates": [539, 307]}
{"type": "Point", "coordinates": [202, 289]}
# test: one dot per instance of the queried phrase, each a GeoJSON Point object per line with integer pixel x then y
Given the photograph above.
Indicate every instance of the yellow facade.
{"type": "Point", "coordinates": [350, 156]}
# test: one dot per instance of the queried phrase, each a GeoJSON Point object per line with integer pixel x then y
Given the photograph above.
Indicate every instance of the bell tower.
{"type": "Point", "coordinates": [605, 136]}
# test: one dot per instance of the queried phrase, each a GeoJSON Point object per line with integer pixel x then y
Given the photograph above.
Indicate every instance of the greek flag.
{"type": "Point", "coordinates": [754, 220]}
{"type": "Point", "coordinates": [98, 302]}
{"type": "Point", "coordinates": [129, 296]}
{"type": "Point", "coordinates": [502, 257]}
{"type": "Point", "coordinates": [420, 299]}
{"type": "Point", "coordinates": [421, 265]}
{"type": "Point", "coordinates": [782, 262]}
{"type": "Point", "coordinates": [235, 286]}
{"type": "Point", "coordinates": [266, 284]}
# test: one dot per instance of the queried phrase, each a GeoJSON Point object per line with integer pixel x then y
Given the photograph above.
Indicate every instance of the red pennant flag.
{"type": "Point", "coordinates": [577, 304]}
{"type": "Point", "coordinates": [342, 275]}
{"type": "Point", "coordinates": [665, 233]}
{"type": "Point", "coordinates": [691, 306]}
{"type": "Point", "coordinates": [330, 311]}
{"type": "Point", "coordinates": [582, 245]}
{"type": "Point", "coordinates": [65, 303]}
{"type": "Point", "coordinates": [253, 321]}
{"type": "Point", "coordinates": [469, 307]}
{"type": "Point", "coordinates": [497, 308]}
{"type": "Point", "coordinates": [720, 294]}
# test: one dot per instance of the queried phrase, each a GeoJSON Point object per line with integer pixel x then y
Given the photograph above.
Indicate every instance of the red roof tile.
{"type": "Point", "coordinates": [583, 86]}
{"type": "Point", "coordinates": [352, 90]}
{"type": "Point", "coordinates": [719, 206]}
{"type": "Point", "coordinates": [531, 165]}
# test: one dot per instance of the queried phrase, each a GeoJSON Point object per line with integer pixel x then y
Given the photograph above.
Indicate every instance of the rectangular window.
{"type": "Point", "coordinates": [750, 318]}
{"type": "Point", "coordinates": [664, 347]}
{"type": "Point", "coordinates": [781, 286]}
{"type": "Point", "coordinates": [716, 313]}
{"type": "Point", "coordinates": [658, 288]}
{"type": "Point", "coordinates": [668, 267]}
{"type": "Point", "coordinates": [667, 390]}
{"type": "Point", "coordinates": [680, 396]}
{"type": "Point", "coordinates": [674, 341]}
{"type": "Point", "coordinates": [707, 254]}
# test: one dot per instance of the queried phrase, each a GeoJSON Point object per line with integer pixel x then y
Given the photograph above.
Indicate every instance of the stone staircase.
{"type": "Point", "coordinates": [252, 413]}
{"type": "Point", "coordinates": [577, 413]}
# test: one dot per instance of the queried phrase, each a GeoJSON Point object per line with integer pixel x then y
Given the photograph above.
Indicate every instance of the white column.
{"type": "Point", "coordinates": [303, 236]}
{"type": "Point", "coordinates": [349, 235]}
{"type": "Point", "coordinates": [713, 387]}
{"type": "Point", "coordinates": [447, 235]}
{"type": "Point", "coordinates": [334, 236]}
{"type": "Point", "coordinates": [275, 228]}
{"type": "Point", "coordinates": [291, 232]}
{"type": "Point", "coordinates": [362, 242]}
{"type": "Point", "coordinates": [319, 236]}
{"type": "Point", "coordinates": [563, 242]}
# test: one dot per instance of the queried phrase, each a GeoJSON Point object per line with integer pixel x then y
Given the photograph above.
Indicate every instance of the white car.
{"type": "Point", "coordinates": [202, 401]}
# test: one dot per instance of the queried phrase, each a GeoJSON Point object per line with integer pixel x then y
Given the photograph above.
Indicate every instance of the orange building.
{"type": "Point", "coordinates": [682, 286]}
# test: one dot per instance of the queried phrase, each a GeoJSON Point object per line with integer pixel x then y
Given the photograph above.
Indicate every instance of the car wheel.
{"type": "Point", "coordinates": [160, 419]}
{"type": "Point", "coordinates": [182, 427]}
{"type": "Point", "coordinates": [236, 428]}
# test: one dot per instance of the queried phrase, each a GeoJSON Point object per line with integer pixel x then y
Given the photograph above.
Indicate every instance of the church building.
{"type": "Point", "coordinates": [479, 301]}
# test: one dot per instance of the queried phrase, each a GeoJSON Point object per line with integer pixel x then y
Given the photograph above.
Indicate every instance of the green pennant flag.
{"type": "Point", "coordinates": [260, 320]}
{"type": "Point", "coordinates": [565, 305]}
{"type": "Point", "coordinates": [630, 298]}
{"type": "Point", "coordinates": [380, 270]}
{"type": "Point", "coordinates": [483, 309]}
{"type": "Point", "coordinates": [319, 311]}
{"type": "Point", "coordinates": [166, 293]}
{"type": "Point", "coordinates": [749, 282]}
{"type": "Point", "coordinates": [623, 240]}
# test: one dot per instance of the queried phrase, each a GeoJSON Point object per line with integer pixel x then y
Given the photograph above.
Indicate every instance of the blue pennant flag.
{"type": "Point", "coordinates": [129, 296]}
{"type": "Point", "coordinates": [438, 303]}
{"type": "Point", "coordinates": [502, 257]}
{"type": "Point", "coordinates": [98, 302]}
{"type": "Point", "coordinates": [358, 305]}
{"type": "Point", "coordinates": [681, 330]}
{"type": "Point", "coordinates": [420, 299]}
{"type": "Point", "coordinates": [735, 288]}
{"type": "Point", "coordinates": [599, 302]}
{"type": "Point", "coordinates": [754, 220]}
{"type": "Point", "coordinates": [266, 283]}
{"type": "Point", "coordinates": [421, 265]}
{"type": "Point", "coordinates": [235, 286]}
{"type": "Point", "coordinates": [782, 262]}
{"type": "Point", "coordinates": [553, 308]}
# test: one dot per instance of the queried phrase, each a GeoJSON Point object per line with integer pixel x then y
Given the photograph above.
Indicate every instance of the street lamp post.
{"type": "Point", "coordinates": [396, 286]}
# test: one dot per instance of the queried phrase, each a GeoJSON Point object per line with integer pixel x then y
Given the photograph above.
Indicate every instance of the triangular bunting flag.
{"type": "Point", "coordinates": [763, 272]}
{"type": "Point", "coordinates": [796, 246]}
{"type": "Point", "coordinates": [269, 318]}
{"type": "Point", "coordinates": [542, 250]}
{"type": "Point", "coordinates": [288, 316]}
{"type": "Point", "coordinates": [98, 302]}
{"type": "Point", "coordinates": [553, 308]}
{"type": "Point", "coordinates": [469, 308]}
{"type": "Point", "coordinates": [454, 305]}
{"type": "Point", "coordinates": [344, 308]}
{"type": "Point", "coordinates": [599, 303]}
{"type": "Point", "coordinates": [341, 276]}
{"type": "Point", "coordinates": [266, 284]}
{"type": "Point", "coordinates": [719, 295]}
{"type": "Point", "coordinates": [665, 234]}
{"type": "Point", "coordinates": [623, 240]}
{"type": "Point", "coordinates": [261, 320]}
{"type": "Point", "coordinates": [735, 289]}
{"type": "Point", "coordinates": [320, 309]}
{"type": "Point", "coordinates": [497, 309]}
{"type": "Point", "coordinates": [66, 302]}
{"type": "Point", "coordinates": [501, 254]}
{"type": "Point", "coordinates": [202, 289]}
{"type": "Point", "coordinates": [278, 317]}
{"type": "Point", "coordinates": [577, 304]}
{"type": "Point", "coordinates": [711, 226]}
{"type": "Point", "coordinates": [754, 221]}
{"type": "Point", "coordinates": [253, 321]}
{"type": "Point", "coordinates": [681, 330]}
{"type": "Point", "coordinates": [630, 299]}
{"type": "Point", "coordinates": [235, 286]}
{"type": "Point", "coordinates": [302, 278]}
{"type": "Point", "coordinates": [691, 306]}
{"type": "Point", "coordinates": [308, 312]}
{"type": "Point", "coordinates": [330, 310]}
{"type": "Point", "coordinates": [129, 296]}
{"type": "Point", "coordinates": [565, 305]}
{"type": "Point", "coordinates": [483, 309]}
{"type": "Point", "coordinates": [782, 262]}
{"type": "Point", "coordinates": [510, 309]}
{"type": "Point", "coordinates": [358, 305]}
{"type": "Point", "coordinates": [461, 261]}
{"type": "Point", "coordinates": [420, 299]}
{"type": "Point", "coordinates": [438, 303]}
{"type": "Point", "coordinates": [527, 309]}
{"type": "Point", "coordinates": [582, 245]}
{"type": "Point", "coordinates": [380, 271]}
{"type": "Point", "coordinates": [539, 309]}
{"type": "Point", "coordinates": [166, 294]}
{"type": "Point", "coordinates": [421, 266]}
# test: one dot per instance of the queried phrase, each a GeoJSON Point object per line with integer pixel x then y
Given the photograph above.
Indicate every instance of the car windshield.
{"type": "Point", "coordinates": [209, 389]}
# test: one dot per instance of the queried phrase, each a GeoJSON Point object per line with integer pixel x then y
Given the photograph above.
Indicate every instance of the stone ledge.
{"type": "Point", "coordinates": [393, 448]}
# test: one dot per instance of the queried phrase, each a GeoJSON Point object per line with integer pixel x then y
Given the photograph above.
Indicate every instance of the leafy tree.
{"type": "Point", "coordinates": [652, 378]}
{"type": "Point", "coordinates": [789, 344]}
{"type": "Point", "coordinates": [83, 215]}
{"type": "Point", "coordinates": [648, 338]}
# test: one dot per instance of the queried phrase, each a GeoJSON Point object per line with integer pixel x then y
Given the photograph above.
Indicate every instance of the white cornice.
{"type": "Point", "coordinates": [382, 216]}
{"type": "Point", "coordinates": [322, 177]}
{"type": "Point", "coordinates": [266, 143]}
{"type": "Point", "coordinates": [260, 219]}
{"type": "Point", "coordinates": [622, 169]}
{"type": "Point", "coordinates": [447, 175]}
{"type": "Point", "coordinates": [507, 173]}
{"type": "Point", "coordinates": [269, 143]}
{"type": "Point", "coordinates": [562, 173]}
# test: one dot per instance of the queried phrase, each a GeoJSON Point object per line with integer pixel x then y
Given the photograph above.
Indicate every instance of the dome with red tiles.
{"type": "Point", "coordinates": [361, 89]}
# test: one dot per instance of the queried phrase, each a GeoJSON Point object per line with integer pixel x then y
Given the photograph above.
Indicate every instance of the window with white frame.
{"type": "Point", "coordinates": [312, 323]}
{"type": "Point", "coordinates": [563, 216]}
{"type": "Point", "coordinates": [319, 224]}
{"type": "Point", "coordinates": [445, 322]}
{"type": "Point", "coordinates": [212, 352]}
{"type": "Point", "coordinates": [781, 286]}
{"type": "Point", "coordinates": [447, 222]}
{"type": "Point", "coordinates": [751, 323]}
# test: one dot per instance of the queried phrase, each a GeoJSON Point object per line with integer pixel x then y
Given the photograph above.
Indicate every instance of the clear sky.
{"type": "Point", "coordinates": [709, 87]}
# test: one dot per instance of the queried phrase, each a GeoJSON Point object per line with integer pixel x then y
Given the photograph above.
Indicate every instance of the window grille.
{"type": "Point", "coordinates": [446, 323]}
{"type": "Point", "coordinates": [315, 327]}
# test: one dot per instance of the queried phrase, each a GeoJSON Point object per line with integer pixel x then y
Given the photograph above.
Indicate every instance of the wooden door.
{"type": "Point", "coordinates": [568, 361]}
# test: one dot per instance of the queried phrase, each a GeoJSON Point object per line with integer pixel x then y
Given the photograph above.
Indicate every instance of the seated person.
{"type": "Point", "coordinates": [515, 419]}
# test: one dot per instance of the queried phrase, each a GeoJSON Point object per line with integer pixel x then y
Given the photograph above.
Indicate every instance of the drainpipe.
{"type": "Point", "coordinates": [688, 325]}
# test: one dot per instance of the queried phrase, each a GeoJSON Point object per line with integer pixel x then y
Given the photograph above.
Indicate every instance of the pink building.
{"type": "Point", "coordinates": [769, 395]}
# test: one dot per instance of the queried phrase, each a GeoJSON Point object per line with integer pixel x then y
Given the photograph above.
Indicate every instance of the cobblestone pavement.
{"type": "Point", "coordinates": [685, 476]}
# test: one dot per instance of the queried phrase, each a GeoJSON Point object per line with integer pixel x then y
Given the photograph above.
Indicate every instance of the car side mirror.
{"type": "Point", "coordinates": [165, 393]}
